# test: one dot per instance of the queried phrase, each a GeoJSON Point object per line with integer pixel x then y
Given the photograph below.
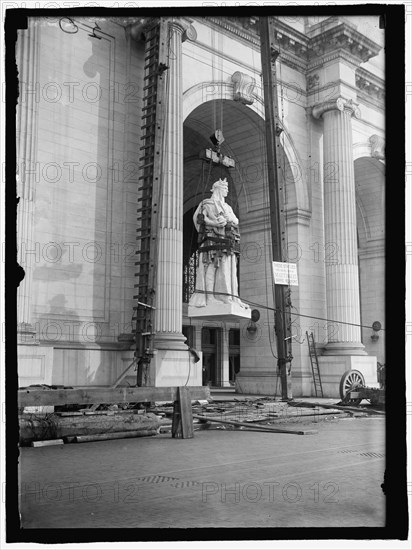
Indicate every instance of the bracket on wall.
{"type": "Point", "coordinates": [243, 86]}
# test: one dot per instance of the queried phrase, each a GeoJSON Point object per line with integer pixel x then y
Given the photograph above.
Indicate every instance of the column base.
{"type": "Point", "coordinates": [344, 348]}
{"type": "Point", "coordinates": [332, 368]}
{"type": "Point", "coordinates": [175, 368]}
{"type": "Point", "coordinates": [170, 341]}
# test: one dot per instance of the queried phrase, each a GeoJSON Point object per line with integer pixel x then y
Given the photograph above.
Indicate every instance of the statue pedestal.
{"type": "Point", "coordinates": [225, 312]}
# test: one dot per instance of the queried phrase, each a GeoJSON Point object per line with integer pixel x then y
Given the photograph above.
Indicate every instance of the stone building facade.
{"type": "Point", "coordinates": [79, 129]}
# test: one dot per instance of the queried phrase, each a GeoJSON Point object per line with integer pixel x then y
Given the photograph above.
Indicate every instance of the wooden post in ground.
{"type": "Point", "coordinates": [182, 422]}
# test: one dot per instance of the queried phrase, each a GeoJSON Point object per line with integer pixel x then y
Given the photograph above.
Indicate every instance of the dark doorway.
{"type": "Point", "coordinates": [211, 361]}
{"type": "Point", "coordinates": [234, 354]}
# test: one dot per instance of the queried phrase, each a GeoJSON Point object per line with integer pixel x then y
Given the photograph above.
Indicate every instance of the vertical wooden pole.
{"type": "Point", "coordinates": [182, 422]}
{"type": "Point", "coordinates": [278, 226]}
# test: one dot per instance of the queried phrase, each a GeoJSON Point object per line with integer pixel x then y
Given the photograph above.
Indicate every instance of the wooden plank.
{"type": "Point", "coordinates": [47, 442]}
{"type": "Point", "coordinates": [186, 414]}
{"type": "Point", "coordinates": [255, 427]}
{"type": "Point", "coordinates": [90, 396]}
{"type": "Point", "coordinates": [182, 423]}
{"type": "Point", "coordinates": [337, 407]}
{"type": "Point", "coordinates": [113, 435]}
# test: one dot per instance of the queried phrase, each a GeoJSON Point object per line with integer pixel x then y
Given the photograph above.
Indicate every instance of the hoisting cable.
{"type": "Point", "coordinates": [255, 304]}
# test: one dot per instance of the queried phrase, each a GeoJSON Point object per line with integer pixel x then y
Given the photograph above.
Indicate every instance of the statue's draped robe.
{"type": "Point", "coordinates": [225, 284]}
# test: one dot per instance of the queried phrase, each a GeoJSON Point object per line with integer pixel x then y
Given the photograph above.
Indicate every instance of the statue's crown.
{"type": "Point", "coordinates": [220, 184]}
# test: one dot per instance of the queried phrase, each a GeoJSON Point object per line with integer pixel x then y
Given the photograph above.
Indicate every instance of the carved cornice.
{"type": "Point", "coordinates": [377, 147]}
{"type": "Point", "coordinates": [292, 45]}
{"type": "Point", "coordinates": [336, 55]}
{"type": "Point", "coordinates": [248, 24]}
{"type": "Point", "coordinates": [339, 104]}
{"type": "Point", "coordinates": [234, 26]}
{"type": "Point", "coordinates": [294, 62]}
{"type": "Point", "coordinates": [342, 38]}
{"type": "Point", "coordinates": [370, 85]}
{"type": "Point", "coordinates": [332, 39]}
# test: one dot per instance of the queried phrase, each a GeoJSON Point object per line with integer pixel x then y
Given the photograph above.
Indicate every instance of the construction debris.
{"type": "Point", "coordinates": [255, 427]}
{"type": "Point", "coordinates": [258, 412]}
{"type": "Point", "coordinates": [338, 407]}
{"type": "Point", "coordinates": [127, 419]}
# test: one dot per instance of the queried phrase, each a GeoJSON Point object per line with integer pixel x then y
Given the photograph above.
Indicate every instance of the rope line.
{"type": "Point", "coordinates": [277, 309]}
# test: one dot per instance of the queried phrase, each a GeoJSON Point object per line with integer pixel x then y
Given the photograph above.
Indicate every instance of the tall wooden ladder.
{"type": "Point", "coordinates": [154, 88]}
{"type": "Point", "coordinates": [315, 365]}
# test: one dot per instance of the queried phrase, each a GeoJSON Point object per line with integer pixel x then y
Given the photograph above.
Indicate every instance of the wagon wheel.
{"type": "Point", "coordinates": [351, 380]}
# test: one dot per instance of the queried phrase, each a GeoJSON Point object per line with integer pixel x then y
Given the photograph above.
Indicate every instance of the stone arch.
{"type": "Point", "coordinates": [239, 123]}
{"type": "Point", "coordinates": [298, 195]}
{"type": "Point", "coordinates": [210, 90]}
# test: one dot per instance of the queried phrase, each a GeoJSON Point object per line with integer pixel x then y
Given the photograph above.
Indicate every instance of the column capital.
{"type": "Point", "coordinates": [338, 104]}
{"type": "Point", "coordinates": [183, 27]}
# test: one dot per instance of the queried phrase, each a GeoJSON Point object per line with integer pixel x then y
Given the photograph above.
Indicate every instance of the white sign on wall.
{"type": "Point", "coordinates": [285, 273]}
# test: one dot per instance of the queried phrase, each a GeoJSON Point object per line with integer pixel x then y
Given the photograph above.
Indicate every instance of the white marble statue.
{"type": "Point", "coordinates": [218, 228]}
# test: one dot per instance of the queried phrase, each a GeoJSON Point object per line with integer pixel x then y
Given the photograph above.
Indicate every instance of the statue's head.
{"type": "Point", "coordinates": [220, 185]}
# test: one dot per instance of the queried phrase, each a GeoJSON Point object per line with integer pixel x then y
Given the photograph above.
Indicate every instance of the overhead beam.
{"type": "Point", "coordinates": [89, 396]}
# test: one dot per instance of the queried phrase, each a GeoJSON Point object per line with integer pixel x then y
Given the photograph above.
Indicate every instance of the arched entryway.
{"type": "Point", "coordinates": [244, 133]}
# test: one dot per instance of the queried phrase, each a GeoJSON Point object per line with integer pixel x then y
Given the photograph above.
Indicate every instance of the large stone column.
{"type": "Point", "coordinates": [26, 128]}
{"type": "Point", "coordinates": [173, 364]}
{"type": "Point", "coordinates": [342, 273]}
{"type": "Point", "coordinates": [168, 317]}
